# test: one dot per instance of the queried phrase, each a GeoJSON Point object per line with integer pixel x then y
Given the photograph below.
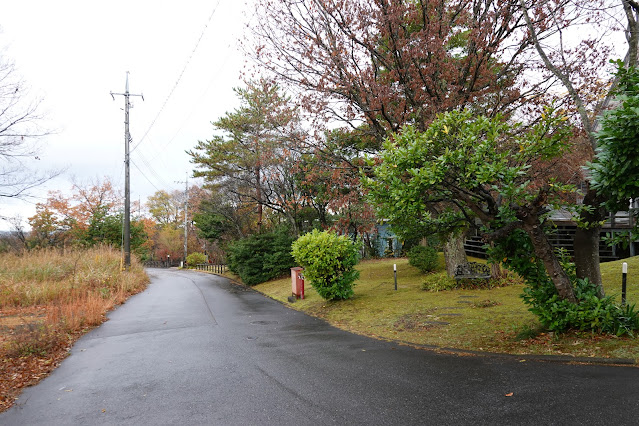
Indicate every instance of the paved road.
{"type": "Point", "coordinates": [195, 349]}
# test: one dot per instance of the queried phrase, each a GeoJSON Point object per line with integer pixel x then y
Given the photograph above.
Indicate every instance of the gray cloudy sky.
{"type": "Point", "coordinates": [73, 53]}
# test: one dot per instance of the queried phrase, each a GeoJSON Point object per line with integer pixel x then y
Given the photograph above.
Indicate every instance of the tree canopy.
{"type": "Point", "coordinates": [615, 170]}
{"type": "Point", "coordinates": [253, 155]}
{"type": "Point", "coordinates": [466, 167]}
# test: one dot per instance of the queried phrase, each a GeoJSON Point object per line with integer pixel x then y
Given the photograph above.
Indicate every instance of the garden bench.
{"type": "Point", "coordinates": [472, 271]}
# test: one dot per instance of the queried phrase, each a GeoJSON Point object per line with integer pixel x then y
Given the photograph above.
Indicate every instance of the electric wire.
{"type": "Point", "coordinates": [149, 168]}
{"type": "Point", "coordinates": [156, 158]}
{"type": "Point", "coordinates": [145, 176]}
{"type": "Point", "coordinates": [177, 82]}
{"type": "Point", "coordinates": [196, 103]}
{"type": "Point", "coordinates": [220, 67]}
{"type": "Point", "coordinates": [158, 178]}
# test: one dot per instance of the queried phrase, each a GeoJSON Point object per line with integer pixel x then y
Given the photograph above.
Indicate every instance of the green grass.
{"type": "Point", "coordinates": [492, 320]}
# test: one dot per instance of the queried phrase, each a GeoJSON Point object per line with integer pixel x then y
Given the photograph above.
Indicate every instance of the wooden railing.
{"type": "Point", "coordinates": [618, 220]}
{"type": "Point", "coordinates": [210, 267]}
{"type": "Point", "coordinates": [621, 219]}
{"type": "Point", "coordinates": [160, 264]}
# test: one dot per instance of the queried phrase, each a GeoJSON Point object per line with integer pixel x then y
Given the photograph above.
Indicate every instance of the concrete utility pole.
{"type": "Point", "coordinates": [186, 204]}
{"type": "Point", "coordinates": [127, 184]}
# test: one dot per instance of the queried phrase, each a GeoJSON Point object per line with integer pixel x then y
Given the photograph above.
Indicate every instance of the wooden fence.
{"type": "Point", "coordinates": [160, 264]}
{"type": "Point", "coordinates": [210, 267]}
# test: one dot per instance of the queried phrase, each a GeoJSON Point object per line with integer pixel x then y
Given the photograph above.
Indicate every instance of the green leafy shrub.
{"type": "Point", "coordinates": [514, 252]}
{"type": "Point", "coordinates": [196, 258]}
{"type": "Point", "coordinates": [615, 170]}
{"type": "Point", "coordinates": [590, 313]}
{"type": "Point", "coordinates": [261, 257]}
{"type": "Point", "coordinates": [329, 263]}
{"type": "Point", "coordinates": [423, 258]}
{"type": "Point", "coordinates": [438, 282]}
{"type": "Point", "coordinates": [442, 282]}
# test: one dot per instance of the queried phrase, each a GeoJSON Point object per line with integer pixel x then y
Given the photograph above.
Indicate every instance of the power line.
{"type": "Point", "coordinates": [145, 176]}
{"type": "Point", "coordinates": [195, 105]}
{"type": "Point", "coordinates": [162, 166]}
{"type": "Point", "coordinates": [158, 178]}
{"type": "Point", "coordinates": [188, 61]}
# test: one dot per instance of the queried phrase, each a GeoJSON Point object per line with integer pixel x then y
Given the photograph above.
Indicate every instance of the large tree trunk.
{"type": "Point", "coordinates": [545, 252]}
{"type": "Point", "coordinates": [454, 253]}
{"type": "Point", "coordinates": [321, 215]}
{"type": "Point", "coordinates": [586, 247]}
{"type": "Point", "coordinates": [496, 271]}
{"type": "Point", "coordinates": [586, 244]}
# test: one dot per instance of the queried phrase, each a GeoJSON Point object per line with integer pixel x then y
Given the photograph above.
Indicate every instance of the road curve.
{"type": "Point", "coordinates": [194, 349]}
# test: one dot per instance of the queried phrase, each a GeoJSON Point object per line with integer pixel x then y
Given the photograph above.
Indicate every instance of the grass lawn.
{"type": "Point", "coordinates": [491, 320]}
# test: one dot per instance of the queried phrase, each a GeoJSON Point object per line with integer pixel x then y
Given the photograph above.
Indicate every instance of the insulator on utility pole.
{"type": "Point", "coordinates": [127, 183]}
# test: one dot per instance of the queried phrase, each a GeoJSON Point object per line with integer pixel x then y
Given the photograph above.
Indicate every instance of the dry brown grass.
{"type": "Point", "coordinates": [48, 299]}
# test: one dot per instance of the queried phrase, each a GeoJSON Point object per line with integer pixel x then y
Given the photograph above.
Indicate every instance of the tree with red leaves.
{"type": "Point", "coordinates": [390, 63]}
{"type": "Point", "coordinates": [91, 215]}
{"type": "Point", "coordinates": [330, 182]}
{"type": "Point", "coordinates": [395, 62]}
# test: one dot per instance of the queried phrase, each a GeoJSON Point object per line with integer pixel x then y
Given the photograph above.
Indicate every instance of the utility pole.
{"type": "Point", "coordinates": [127, 183]}
{"type": "Point", "coordinates": [186, 204]}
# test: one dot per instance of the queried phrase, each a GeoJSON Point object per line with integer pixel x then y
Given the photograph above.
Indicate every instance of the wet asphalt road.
{"type": "Point", "coordinates": [195, 349]}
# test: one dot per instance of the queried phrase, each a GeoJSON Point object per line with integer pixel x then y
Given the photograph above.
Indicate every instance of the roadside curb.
{"type": "Point", "coordinates": [558, 359]}
{"type": "Point", "coordinates": [231, 280]}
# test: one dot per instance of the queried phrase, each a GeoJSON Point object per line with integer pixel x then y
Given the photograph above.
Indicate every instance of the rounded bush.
{"type": "Point", "coordinates": [423, 258]}
{"type": "Point", "coordinates": [261, 257]}
{"type": "Point", "coordinates": [196, 258]}
{"type": "Point", "coordinates": [329, 263]}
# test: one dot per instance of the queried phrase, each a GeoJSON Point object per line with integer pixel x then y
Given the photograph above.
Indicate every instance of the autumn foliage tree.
{"type": "Point", "coordinates": [90, 215]}
{"type": "Point", "coordinates": [253, 154]}
{"type": "Point", "coordinates": [577, 61]}
{"type": "Point", "coordinates": [329, 180]}
{"type": "Point", "coordinates": [394, 62]}
{"type": "Point", "coordinates": [167, 220]}
{"type": "Point", "coordinates": [391, 63]}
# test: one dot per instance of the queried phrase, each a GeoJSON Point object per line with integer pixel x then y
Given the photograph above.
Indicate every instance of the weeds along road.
{"type": "Point", "coordinates": [195, 349]}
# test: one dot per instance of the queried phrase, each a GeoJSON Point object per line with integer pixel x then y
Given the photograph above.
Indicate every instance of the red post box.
{"type": "Point", "coordinates": [297, 280]}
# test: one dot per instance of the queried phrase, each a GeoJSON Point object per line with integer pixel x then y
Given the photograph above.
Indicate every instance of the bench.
{"type": "Point", "coordinates": [472, 271]}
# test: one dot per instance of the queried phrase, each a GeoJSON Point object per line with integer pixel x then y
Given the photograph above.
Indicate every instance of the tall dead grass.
{"type": "Point", "coordinates": [48, 299]}
{"type": "Point", "coordinates": [74, 287]}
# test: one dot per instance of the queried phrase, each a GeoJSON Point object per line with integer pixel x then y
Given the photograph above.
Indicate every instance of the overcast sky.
{"type": "Point", "coordinates": [73, 53]}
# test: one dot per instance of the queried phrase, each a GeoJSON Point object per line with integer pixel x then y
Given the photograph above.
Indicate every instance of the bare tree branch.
{"type": "Point", "coordinates": [20, 130]}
